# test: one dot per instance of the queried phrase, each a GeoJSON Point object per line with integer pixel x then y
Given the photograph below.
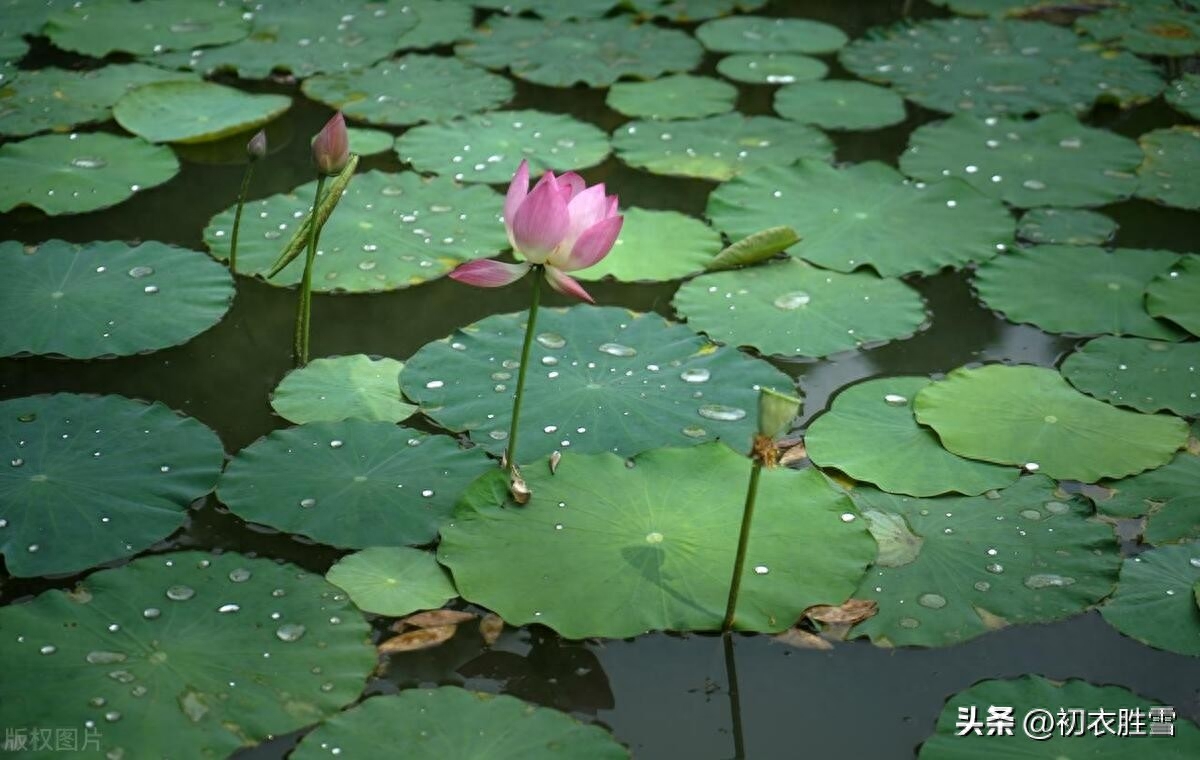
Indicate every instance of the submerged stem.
{"type": "Point", "coordinates": [739, 561]}
{"type": "Point", "coordinates": [302, 316]}
{"type": "Point", "coordinates": [237, 217]}
{"type": "Point", "coordinates": [735, 701]}
{"type": "Point", "coordinates": [511, 450]}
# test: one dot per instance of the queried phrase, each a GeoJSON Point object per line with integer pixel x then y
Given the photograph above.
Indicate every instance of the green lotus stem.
{"type": "Point", "coordinates": [739, 561]}
{"type": "Point", "coordinates": [237, 216]}
{"type": "Point", "coordinates": [511, 451]}
{"type": "Point", "coordinates": [735, 701]}
{"type": "Point", "coordinates": [302, 317]}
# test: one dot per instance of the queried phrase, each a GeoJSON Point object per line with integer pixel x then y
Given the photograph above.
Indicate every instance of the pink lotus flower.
{"type": "Point", "coordinates": [331, 146]}
{"type": "Point", "coordinates": [561, 226]}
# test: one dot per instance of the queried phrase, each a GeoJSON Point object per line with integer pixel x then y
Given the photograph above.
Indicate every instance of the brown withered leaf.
{"type": "Point", "coordinates": [794, 453]}
{"type": "Point", "coordinates": [420, 638]}
{"type": "Point", "coordinates": [432, 619]}
{"type": "Point", "coordinates": [854, 611]}
{"type": "Point", "coordinates": [517, 488]}
{"type": "Point", "coordinates": [490, 628]}
{"type": "Point", "coordinates": [801, 639]}
{"type": "Point", "coordinates": [555, 458]}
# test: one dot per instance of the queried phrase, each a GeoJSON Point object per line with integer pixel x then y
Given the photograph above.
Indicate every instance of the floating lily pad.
{"type": "Point", "coordinates": [410, 90]}
{"type": "Point", "coordinates": [789, 308]}
{"type": "Point", "coordinates": [760, 34]}
{"type": "Point", "coordinates": [368, 142]}
{"type": "Point", "coordinates": [953, 568]}
{"type": "Point", "coordinates": [1078, 290]}
{"type": "Point", "coordinates": [1000, 67]}
{"type": "Point", "coordinates": [870, 434]}
{"type": "Point", "coordinates": [1149, 27]}
{"type": "Point", "coordinates": [71, 174]}
{"type": "Point", "coordinates": [1154, 602]}
{"type": "Point", "coordinates": [1170, 173]}
{"type": "Point", "coordinates": [1148, 375]}
{"type": "Point", "coordinates": [602, 379]}
{"type": "Point", "coordinates": [1030, 416]}
{"type": "Point", "coordinates": [1066, 226]}
{"type": "Point", "coordinates": [100, 27]}
{"type": "Point", "coordinates": [96, 478]}
{"type": "Point", "coordinates": [655, 246]}
{"type": "Point", "coordinates": [771, 68]}
{"type": "Point", "coordinates": [594, 52]}
{"type": "Point", "coordinates": [865, 215]}
{"type": "Point", "coordinates": [192, 112]}
{"type": "Point", "coordinates": [553, 10]}
{"type": "Point", "coordinates": [341, 388]}
{"type": "Point", "coordinates": [1001, 7]}
{"type": "Point", "coordinates": [840, 104]}
{"type": "Point", "coordinates": [682, 96]}
{"type": "Point", "coordinates": [487, 147]}
{"type": "Point", "coordinates": [449, 722]}
{"type": "Point", "coordinates": [23, 17]}
{"type": "Point", "coordinates": [1175, 295]}
{"type": "Point", "coordinates": [184, 655]}
{"type": "Point", "coordinates": [393, 580]}
{"type": "Point", "coordinates": [693, 10]}
{"type": "Point", "coordinates": [389, 231]}
{"type": "Point", "coordinates": [1184, 95]}
{"type": "Point", "coordinates": [719, 147]}
{"type": "Point", "coordinates": [606, 550]}
{"type": "Point", "coordinates": [1052, 160]}
{"type": "Point", "coordinates": [1069, 706]}
{"type": "Point", "coordinates": [354, 483]}
{"type": "Point", "coordinates": [1169, 497]}
{"type": "Point", "coordinates": [107, 298]}
{"type": "Point", "coordinates": [439, 23]}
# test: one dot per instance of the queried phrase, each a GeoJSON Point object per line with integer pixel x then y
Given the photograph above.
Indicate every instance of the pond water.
{"type": "Point", "coordinates": [663, 695]}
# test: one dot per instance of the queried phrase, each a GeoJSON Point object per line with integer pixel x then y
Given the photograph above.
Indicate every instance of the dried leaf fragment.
{"type": "Point", "coordinates": [432, 619]}
{"type": "Point", "coordinates": [801, 639]}
{"type": "Point", "coordinates": [490, 628]}
{"type": "Point", "coordinates": [852, 612]}
{"type": "Point", "coordinates": [420, 638]}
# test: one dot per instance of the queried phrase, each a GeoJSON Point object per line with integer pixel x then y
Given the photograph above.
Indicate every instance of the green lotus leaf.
{"type": "Point", "coordinates": [439, 23]}
{"type": "Point", "coordinates": [1079, 290]}
{"type": "Point", "coordinates": [1175, 295]}
{"type": "Point", "coordinates": [1170, 173]}
{"type": "Point", "coordinates": [1066, 226]}
{"type": "Point", "coordinates": [409, 90]}
{"type": "Point", "coordinates": [1154, 602]}
{"type": "Point", "coordinates": [692, 10]}
{"type": "Point", "coordinates": [1000, 67]}
{"type": "Point", "coordinates": [865, 215]}
{"type": "Point", "coordinates": [760, 34]}
{"type": "Point", "coordinates": [771, 68]}
{"type": "Point", "coordinates": [1071, 707]}
{"type": "Point", "coordinates": [487, 147]}
{"type": "Point", "coordinates": [107, 298]}
{"type": "Point", "coordinates": [789, 308]}
{"type": "Point", "coordinates": [840, 104]}
{"type": "Point", "coordinates": [12, 50]}
{"type": "Point", "coordinates": [655, 246]}
{"type": "Point", "coordinates": [449, 722]}
{"type": "Point", "coordinates": [754, 249]}
{"type": "Point", "coordinates": [681, 96]}
{"type": "Point", "coordinates": [187, 655]}
{"type": "Point", "coordinates": [23, 17]}
{"type": "Point", "coordinates": [1031, 416]}
{"type": "Point", "coordinates": [389, 231]}
{"type": "Point", "coordinates": [351, 484]}
{"type": "Point", "coordinates": [1184, 95]}
{"type": "Point", "coordinates": [392, 580]}
{"type": "Point", "coordinates": [191, 112]}
{"type": "Point", "coordinates": [870, 434]}
{"type": "Point", "coordinates": [1052, 160]}
{"type": "Point", "coordinates": [369, 142]}
{"type": "Point", "coordinates": [595, 52]}
{"type": "Point", "coordinates": [603, 379]}
{"type": "Point", "coordinates": [100, 27]}
{"type": "Point", "coordinates": [341, 388]}
{"type": "Point", "coordinates": [1147, 375]}
{"type": "Point", "coordinates": [1169, 498]}
{"type": "Point", "coordinates": [719, 147]}
{"type": "Point", "coordinates": [954, 568]}
{"type": "Point", "coordinates": [553, 10]}
{"type": "Point", "coordinates": [1149, 27]}
{"type": "Point", "coordinates": [1007, 7]}
{"type": "Point", "coordinates": [604, 549]}
{"type": "Point", "coordinates": [71, 174]}
{"type": "Point", "coordinates": [96, 478]}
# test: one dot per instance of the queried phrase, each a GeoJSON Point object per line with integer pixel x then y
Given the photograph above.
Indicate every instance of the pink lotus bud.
{"type": "Point", "coordinates": [331, 147]}
{"type": "Point", "coordinates": [257, 147]}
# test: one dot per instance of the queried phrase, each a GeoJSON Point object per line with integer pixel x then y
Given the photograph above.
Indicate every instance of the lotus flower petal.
{"type": "Point", "coordinates": [488, 273]}
{"type": "Point", "coordinates": [585, 209]}
{"type": "Point", "coordinates": [331, 146]}
{"type": "Point", "coordinates": [541, 221]}
{"type": "Point", "coordinates": [565, 284]}
{"type": "Point", "coordinates": [594, 244]}
{"type": "Point", "coordinates": [518, 189]}
{"type": "Point", "coordinates": [573, 182]}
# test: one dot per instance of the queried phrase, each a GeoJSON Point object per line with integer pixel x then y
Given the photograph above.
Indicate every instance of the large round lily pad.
{"type": "Point", "coordinates": [951, 569]}
{"type": "Point", "coordinates": [1031, 416]}
{"type": "Point", "coordinates": [1154, 601]}
{"type": "Point", "coordinates": [681, 96]}
{"type": "Point", "coordinates": [1080, 290]}
{"type": "Point", "coordinates": [410, 90]}
{"type": "Point", "coordinates": [393, 580]}
{"type": "Point", "coordinates": [760, 34]}
{"type": "Point", "coordinates": [605, 549]}
{"type": "Point", "coordinates": [438, 23]}
{"type": "Point", "coordinates": [718, 147]}
{"type": "Point", "coordinates": [100, 27]}
{"type": "Point", "coordinates": [354, 483]}
{"type": "Point", "coordinates": [865, 215]}
{"type": "Point", "coordinates": [1175, 295]}
{"type": "Point", "coordinates": [1148, 375]}
{"type": "Point", "coordinates": [1168, 497]}
{"type": "Point", "coordinates": [601, 379]}
{"type": "Point", "coordinates": [692, 10]}
{"type": "Point", "coordinates": [186, 655]}
{"type": "Point", "coordinates": [840, 104]}
{"type": "Point", "coordinates": [389, 231]}
{"type": "Point", "coordinates": [369, 142]}
{"type": "Point", "coordinates": [656, 245]}
{"type": "Point", "coordinates": [95, 478]}
{"type": "Point", "coordinates": [71, 174]}
{"type": "Point", "coordinates": [1184, 95]}
{"type": "Point", "coordinates": [790, 308]}
{"type": "Point", "coordinates": [870, 434]}
{"type": "Point", "coordinates": [488, 147]}
{"type": "Point", "coordinates": [449, 722]}
{"type": "Point", "coordinates": [1066, 226]}
{"type": "Point", "coordinates": [1149, 27]}
{"type": "Point", "coordinates": [1000, 67]}
{"type": "Point", "coordinates": [595, 52]}
{"type": "Point", "coordinates": [1050, 161]}
{"type": "Point", "coordinates": [107, 298]}
{"type": "Point", "coordinates": [553, 10]}
{"type": "Point", "coordinates": [192, 112]}
{"type": "Point", "coordinates": [1170, 173]}
{"type": "Point", "coordinates": [341, 388]}
{"type": "Point", "coordinates": [771, 68]}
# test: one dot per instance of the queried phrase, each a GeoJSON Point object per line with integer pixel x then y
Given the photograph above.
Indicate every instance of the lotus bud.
{"type": "Point", "coordinates": [331, 146]}
{"type": "Point", "coordinates": [257, 147]}
{"type": "Point", "coordinates": [775, 412]}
